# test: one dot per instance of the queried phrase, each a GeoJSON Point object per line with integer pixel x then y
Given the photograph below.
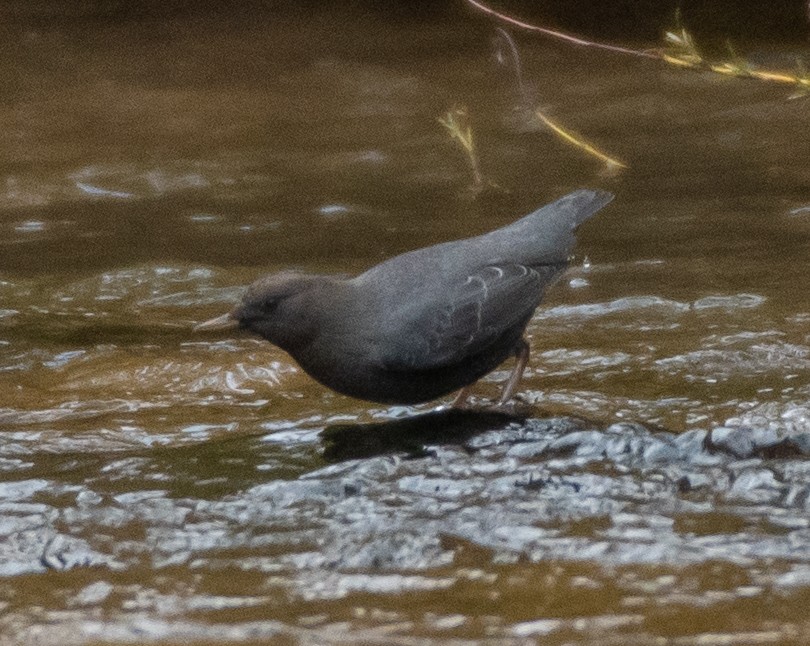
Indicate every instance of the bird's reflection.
{"type": "Point", "coordinates": [409, 435]}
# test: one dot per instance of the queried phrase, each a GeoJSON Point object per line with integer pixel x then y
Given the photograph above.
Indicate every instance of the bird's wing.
{"type": "Point", "coordinates": [474, 313]}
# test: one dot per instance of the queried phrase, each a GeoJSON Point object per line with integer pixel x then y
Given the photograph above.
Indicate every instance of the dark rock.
{"type": "Point", "coordinates": [789, 447]}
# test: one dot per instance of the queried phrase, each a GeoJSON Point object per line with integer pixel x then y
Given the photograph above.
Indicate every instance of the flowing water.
{"type": "Point", "coordinates": [162, 486]}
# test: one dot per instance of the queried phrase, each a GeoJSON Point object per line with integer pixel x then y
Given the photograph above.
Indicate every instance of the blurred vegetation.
{"type": "Point", "coordinates": [457, 123]}
{"type": "Point", "coordinates": [682, 51]}
{"type": "Point", "coordinates": [743, 21]}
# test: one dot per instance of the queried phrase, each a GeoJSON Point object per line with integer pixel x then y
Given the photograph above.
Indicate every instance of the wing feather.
{"type": "Point", "coordinates": [481, 308]}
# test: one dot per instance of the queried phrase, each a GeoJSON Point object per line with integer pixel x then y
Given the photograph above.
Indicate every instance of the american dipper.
{"type": "Point", "coordinates": [425, 323]}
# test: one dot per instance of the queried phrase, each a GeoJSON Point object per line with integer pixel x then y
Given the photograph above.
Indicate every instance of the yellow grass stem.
{"type": "Point", "coordinates": [579, 142]}
{"type": "Point", "coordinates": [680, 52]}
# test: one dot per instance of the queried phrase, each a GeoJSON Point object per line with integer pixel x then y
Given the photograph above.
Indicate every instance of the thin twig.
{"type": "Point", "coordinates": [560, 131]}
{"type": "Point", "coordinates": [506, 37]}
{"type": "Point", "coordinates": [683, 54]}
{"type": "Point", "coordinates": [561, 35]}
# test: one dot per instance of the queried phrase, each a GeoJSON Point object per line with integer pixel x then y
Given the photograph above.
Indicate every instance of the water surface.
{"type": "Point", "coordinates": [157, 485]}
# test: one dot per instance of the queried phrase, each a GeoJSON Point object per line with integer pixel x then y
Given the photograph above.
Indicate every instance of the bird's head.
{"type": "Point", "coordinates": [270, 307]}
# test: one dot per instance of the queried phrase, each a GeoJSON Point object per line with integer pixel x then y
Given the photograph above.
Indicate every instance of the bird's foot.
{"type": "Point", "coordinates": [514, 407]}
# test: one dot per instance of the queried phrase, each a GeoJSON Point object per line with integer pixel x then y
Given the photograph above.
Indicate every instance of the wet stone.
{"type": "Point", "coordinates": [756, 485]}
{"type": "Point", "coordinates": [660, 451]}
{"type": "Point", "coordinates": [587, 443]}
{"type": "Point", "coordinates": [528, 449]}
{"type": "Point", "coordinates": [288, 493]}
{"type": "Point", "coordinates": [802, 443]}
{"type": "Point", "coordinates": [734, 441]}
{"type": "Point", "coordinates": [444, 488]}
{"type": "Point", "coordinates": [537, 491]}
{"type": "Point", "coordinates": [689, 482]}
{"type": "Point", "coordinates": [767, 442]}
{"type": "Point", "coordinates": [690, 444]}
{"type": "Point", "coordinates": [798, 496]}
{"type": "Point", "coordinates": [627, 429]}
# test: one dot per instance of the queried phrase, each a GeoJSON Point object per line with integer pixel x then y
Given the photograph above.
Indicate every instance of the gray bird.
{"type": "Point", "coordinates": [425, 323]}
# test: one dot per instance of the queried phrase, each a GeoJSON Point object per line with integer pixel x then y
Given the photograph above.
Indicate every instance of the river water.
{"type": "Point", "coordinates": [161, 486]}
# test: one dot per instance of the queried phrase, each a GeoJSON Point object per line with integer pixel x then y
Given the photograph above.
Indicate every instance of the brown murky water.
{"type": "Point", "coordinates": [157, 486]}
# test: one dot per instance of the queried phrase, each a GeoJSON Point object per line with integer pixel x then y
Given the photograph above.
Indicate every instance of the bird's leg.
{"type": "Point", "coordinates": [522, 358]}
{"type": "Point", "coordinates": [461, 399]}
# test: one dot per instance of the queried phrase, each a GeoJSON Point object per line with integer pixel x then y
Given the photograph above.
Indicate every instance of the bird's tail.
{"type": "Point", "coordinates": [546, 236]}
{"type": "Point", "coordinates": [575, 207]}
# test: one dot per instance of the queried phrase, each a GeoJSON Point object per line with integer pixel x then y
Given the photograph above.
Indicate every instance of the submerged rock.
{"type": "Point", "coordinates": [421, 503]}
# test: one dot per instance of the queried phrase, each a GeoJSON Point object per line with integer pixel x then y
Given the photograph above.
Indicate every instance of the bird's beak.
{"type": "Point", "coordinates": [224, 322]}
